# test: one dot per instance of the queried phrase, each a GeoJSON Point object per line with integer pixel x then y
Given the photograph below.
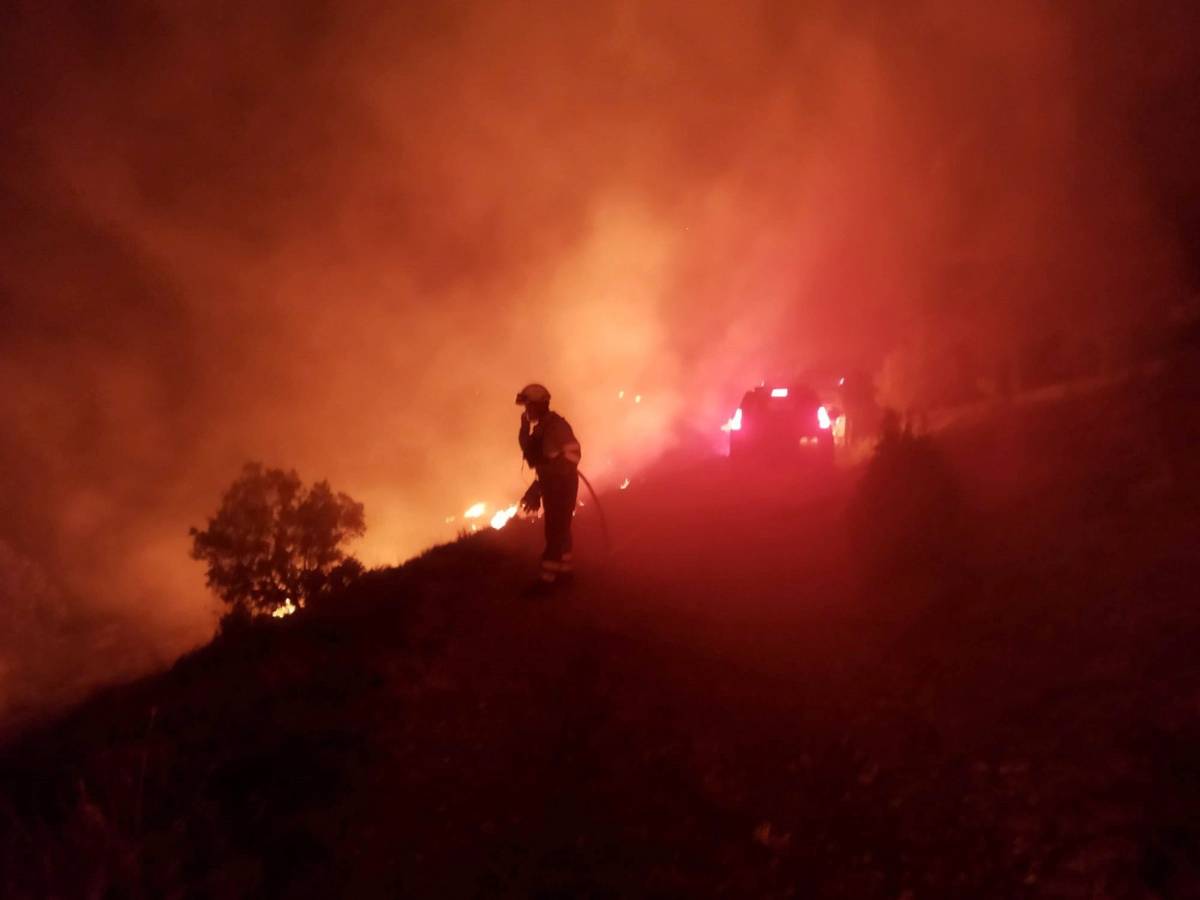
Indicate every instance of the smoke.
{"type": "Point", "coordinates": [340, 237]}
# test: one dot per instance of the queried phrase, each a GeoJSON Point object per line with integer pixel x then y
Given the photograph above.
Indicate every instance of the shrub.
{"type": "Point", "coordinates": [906, 516]}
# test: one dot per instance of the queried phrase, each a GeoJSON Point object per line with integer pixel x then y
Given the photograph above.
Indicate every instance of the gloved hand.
{"type": "Point", "coordinates": [532, 501]}
{"type": "Point", "coordinates": [523, 438]}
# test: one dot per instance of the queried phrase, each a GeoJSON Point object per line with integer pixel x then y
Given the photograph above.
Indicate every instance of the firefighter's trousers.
{"type": "Point", "coordinates": [560, 490]}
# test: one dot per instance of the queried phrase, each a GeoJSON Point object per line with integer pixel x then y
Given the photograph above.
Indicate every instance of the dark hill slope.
{"type": "Point", "coordinates": [727, 704]}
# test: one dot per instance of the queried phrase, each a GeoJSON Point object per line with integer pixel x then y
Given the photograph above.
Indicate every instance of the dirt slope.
{"type": "Point", "coordinates": [724, 705]}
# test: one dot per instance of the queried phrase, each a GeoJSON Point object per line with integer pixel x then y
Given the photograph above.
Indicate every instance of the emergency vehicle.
{"type": "Point", "coordinates": [782, 425]}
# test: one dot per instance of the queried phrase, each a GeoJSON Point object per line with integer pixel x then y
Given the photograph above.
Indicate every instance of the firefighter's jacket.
{"type": "Point", "coordinates": [550, 448]}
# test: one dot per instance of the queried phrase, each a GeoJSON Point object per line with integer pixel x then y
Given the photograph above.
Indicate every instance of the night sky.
{"type": "Point", "coordinates": [340, 236]}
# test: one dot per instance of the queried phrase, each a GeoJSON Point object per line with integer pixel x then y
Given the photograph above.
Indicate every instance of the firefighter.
{"type": "Point", "coordinates": [550, 449]}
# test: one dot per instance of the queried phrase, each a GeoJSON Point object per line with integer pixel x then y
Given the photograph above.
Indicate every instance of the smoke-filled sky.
{"type": "Point", "coordinates": [339, 236]}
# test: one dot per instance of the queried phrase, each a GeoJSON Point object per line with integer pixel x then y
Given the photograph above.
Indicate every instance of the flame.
{"type": "Point", "coordinates": [637, 398]}
{"type": "Point", "coordinates": [624, 484]}
{"type": "Point", "coordinates": [823, 417]}
{"type": "Point", "coordinates": [735, 421]}
{"type": "Point", "coordinates": [286, 610]}
{"type": "Point", "coordinates": [500, 519]}
{"type": "Point", "coordinates": [475, 511]}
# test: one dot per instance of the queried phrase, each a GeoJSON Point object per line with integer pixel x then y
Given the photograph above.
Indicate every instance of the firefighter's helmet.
{"type": "Point", "coordinates": [533, 393]}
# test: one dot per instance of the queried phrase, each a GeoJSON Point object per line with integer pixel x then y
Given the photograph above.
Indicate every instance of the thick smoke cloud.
{"type": "Point", "coordinates": [340, 236]}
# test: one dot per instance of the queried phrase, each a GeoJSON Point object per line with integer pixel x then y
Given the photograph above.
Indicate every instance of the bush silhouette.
{"type": "Point", "coordinates": [907, 514]}
{"type": "Point", "coordinates": [275, 543]}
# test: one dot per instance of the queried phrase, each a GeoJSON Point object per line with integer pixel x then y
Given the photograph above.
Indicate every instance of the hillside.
{"type": "Point", "coordinates": [727, 703]}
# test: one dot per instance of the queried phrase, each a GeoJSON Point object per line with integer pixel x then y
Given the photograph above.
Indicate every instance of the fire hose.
{"type": "Point", "coordinates": [533, 499]}
{"type": "Point", "coordinates": [599, 511]}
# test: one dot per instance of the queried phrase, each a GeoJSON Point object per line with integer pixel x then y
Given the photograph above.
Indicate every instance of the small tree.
{"type": "Point", "coordinates": [274, 543]}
